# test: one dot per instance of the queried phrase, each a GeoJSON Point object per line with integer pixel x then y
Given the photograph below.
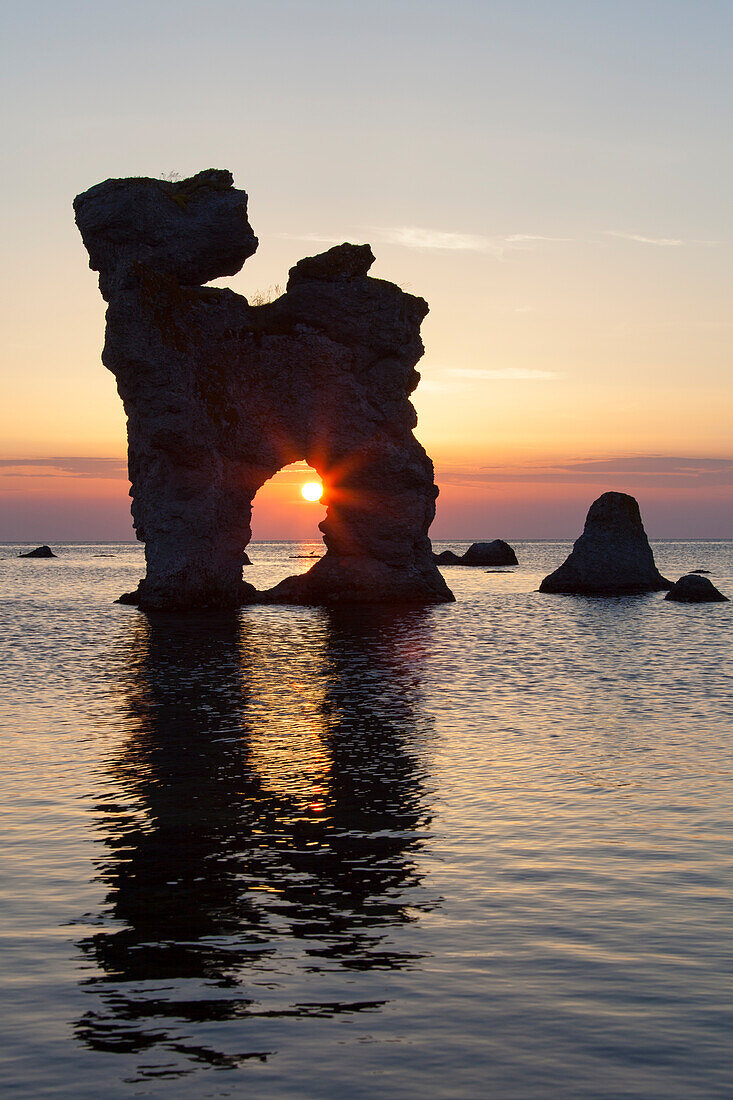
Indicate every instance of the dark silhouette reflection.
{"type": "Point", "coordinates": [261, 824]}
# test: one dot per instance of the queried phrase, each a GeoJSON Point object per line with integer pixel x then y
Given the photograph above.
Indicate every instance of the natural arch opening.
{"type": "Point", "coordinates": [286, 512]}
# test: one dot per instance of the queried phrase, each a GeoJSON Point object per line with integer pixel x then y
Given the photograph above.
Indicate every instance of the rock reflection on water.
{"type": "Point", "coordinates": [261, 825]}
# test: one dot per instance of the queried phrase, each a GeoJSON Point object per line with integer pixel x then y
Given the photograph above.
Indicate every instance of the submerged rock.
{"type": "Point", "coordinates": [497, 552]}
{"type": "Point", "coordinates": [39, 552]}
{"type": "Point", "coordinates": [220, 395]}
{"type": "Point", "coordinates": [692, 588]}
{"type": "Point", "coordinates": [612, 556]}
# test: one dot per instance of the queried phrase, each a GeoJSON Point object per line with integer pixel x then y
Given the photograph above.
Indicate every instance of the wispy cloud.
{"type": "Point", "coordinates": [66, 466]}
{"type": "Point", "coordinates": [660, 242]}
{"type": "Point", "coordinates": [412, 236]}
{"type": "Point", "coordinates": [425, 239]}
{"type": "Point", "coordinates": [622, 473]}
{"type": "Point", "coordinates": [313, 238]}
{"type": "Point", "coordinates": [505, 374]}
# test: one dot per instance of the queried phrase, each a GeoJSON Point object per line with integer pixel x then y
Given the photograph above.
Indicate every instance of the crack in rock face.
{"type": "Point", "coordinates": [220, 395]}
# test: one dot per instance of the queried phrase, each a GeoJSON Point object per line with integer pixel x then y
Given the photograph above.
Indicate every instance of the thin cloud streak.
{"type": "Point", "coordinates": [660, 242]}
{"type": "Point", "coordinates": [314, 238]}
{"type": "Point", "coordinates": [425, 239]}
{"type": "Point", "coordinates": [411, 236]}
{"type": "Point", "coordinates": [66, 466]}
{"type": "Point", "coordinates": [660, 471]}
{"type": "Point", "coordinates": [505, 374]}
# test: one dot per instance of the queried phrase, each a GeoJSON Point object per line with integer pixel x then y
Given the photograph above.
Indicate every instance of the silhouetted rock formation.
{"type": "Point", "coordinates": [612, 557]}
{"type": "Point", "coordinates": [497, 552]}
{"type": "Point", "coordinates": [220, 395]}
{"type": "Point", "coordinates": [693, 588]}
{"type": "Point", "coordinates": [39, 552]}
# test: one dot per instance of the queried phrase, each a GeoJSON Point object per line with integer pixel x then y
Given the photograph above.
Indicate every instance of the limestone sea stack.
{"type": "Point", "coordinates": [221, 394]}
{"type": "Point", "coordinates": [497, 552]}
{"type": "Point", "coordinates": [692, 588]}
{"type": "Point", "coordinates": [39, 552]}
{"type": "Point", "coordinates": [612, 557]}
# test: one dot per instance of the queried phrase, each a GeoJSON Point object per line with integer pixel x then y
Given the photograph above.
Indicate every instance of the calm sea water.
{"type": "Point", "coordinates": [478, 850]}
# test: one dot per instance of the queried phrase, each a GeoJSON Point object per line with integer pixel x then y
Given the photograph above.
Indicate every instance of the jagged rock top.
{"type": "Point", "coordinates": [193, 230]}
{"type": "Point", "coordinates": [343, 261]}
{"type": "Point", "coordinates": [612, 556]}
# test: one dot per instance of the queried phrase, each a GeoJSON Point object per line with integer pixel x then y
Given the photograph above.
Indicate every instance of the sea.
{"type": "Point", "coordinates": [477, 850]}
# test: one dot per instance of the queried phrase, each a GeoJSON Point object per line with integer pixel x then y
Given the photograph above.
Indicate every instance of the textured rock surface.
{"type": "Point", "coordinates": [612, 556]}
{"type": "Point", "coordinates": [693, 588]}
{"type": "Point", "coordinates": [497, 552]}
{"type": "Point", "coordinates": [220, 395]}
{"type": "Point", "coordinates": [39, 552]}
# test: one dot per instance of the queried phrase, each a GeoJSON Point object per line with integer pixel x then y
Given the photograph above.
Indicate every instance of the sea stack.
{"type": "Point", "coordinates": [692, 588]}
{"type": "Point", "coordinates": [612, 557]}
{"type": "Point", "coordinates": [221, 394]}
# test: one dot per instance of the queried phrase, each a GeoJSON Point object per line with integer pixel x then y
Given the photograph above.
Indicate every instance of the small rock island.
{"type": "Point", "coordinates": [220, 395]}
{"type": "Point", "coordinates": [612, 557]}
{"type": "Point", "coordinates": [496, 552]}
{"type": "Point", "coordinates": [692, 588]}
{"type": "Point", "coordinates": [39, 552]}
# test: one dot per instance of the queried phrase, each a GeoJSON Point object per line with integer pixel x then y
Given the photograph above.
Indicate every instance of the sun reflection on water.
{"type": "Point", "coordinates": [288, 750]}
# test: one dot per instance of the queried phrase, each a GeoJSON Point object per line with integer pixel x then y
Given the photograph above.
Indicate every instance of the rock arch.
{"type": "Point", "coordinates": [220, 395]}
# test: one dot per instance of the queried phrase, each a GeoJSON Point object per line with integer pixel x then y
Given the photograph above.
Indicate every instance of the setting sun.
{"type": "Point", "coordinates": [312, 490]}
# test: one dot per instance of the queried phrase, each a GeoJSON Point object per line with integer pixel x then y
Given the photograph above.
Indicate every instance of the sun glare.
{"type": "Point", "coordinates": [312, 490]}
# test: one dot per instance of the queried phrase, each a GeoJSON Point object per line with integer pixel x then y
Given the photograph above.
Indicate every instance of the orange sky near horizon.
{"type": "Point", "coordinates": [508, 502]}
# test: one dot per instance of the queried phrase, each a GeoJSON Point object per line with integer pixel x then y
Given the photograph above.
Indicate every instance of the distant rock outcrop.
{"type": "Point", "coordinates": [39, 552]}
{"type": "Point", "coordinates": [220, 395]}
{"type": "Point", "coordinates": [447, 557]}
{"type": "Point", "coordinates": [692, 588]}
{"type": "Point", "coordinates": [497, 552]}
{"type": "Point", "coordinates": [612, 557]}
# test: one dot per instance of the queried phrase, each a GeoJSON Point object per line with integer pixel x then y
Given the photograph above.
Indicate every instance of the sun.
{"type": "Point", "coordinates": [312, 490]}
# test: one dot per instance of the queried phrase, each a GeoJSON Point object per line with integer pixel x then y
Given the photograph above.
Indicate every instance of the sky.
{"type": "Point", "coordinates": [554, 177]}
